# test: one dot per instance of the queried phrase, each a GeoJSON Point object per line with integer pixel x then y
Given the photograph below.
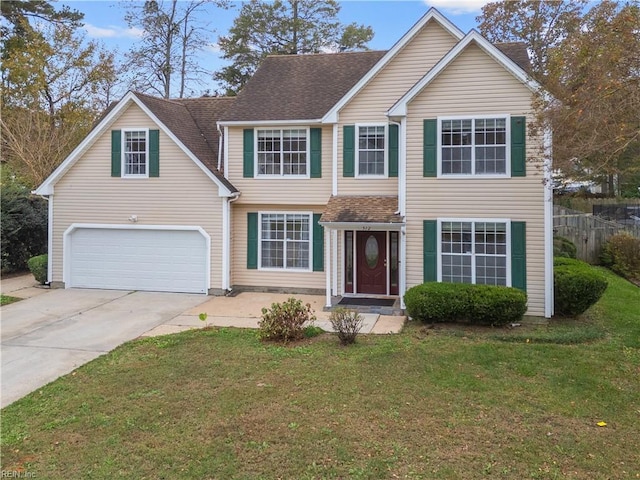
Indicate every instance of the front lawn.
{"type": "Point", "coordinates": [428, 403]}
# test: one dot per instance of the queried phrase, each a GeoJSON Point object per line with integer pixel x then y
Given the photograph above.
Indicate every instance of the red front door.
{"type": "Point", "coordinates": [371, 254]}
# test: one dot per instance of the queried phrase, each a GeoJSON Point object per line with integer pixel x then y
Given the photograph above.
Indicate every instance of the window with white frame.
{"type": "Point", "coordinates": [473, 146]}
{"type": "Point", "coordinates": [474, 252]}
{"type": "Point", "coordinates": [285, 241]}
{"type": "Point", "coordinates": [282, 152]}
{"type": "Point", "coordinates": [371, 149]}
{"type": "Point", "coordinates": [136, 153]}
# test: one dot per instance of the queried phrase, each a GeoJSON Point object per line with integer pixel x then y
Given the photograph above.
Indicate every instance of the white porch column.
{"type": "Point", "coordinates": [334, 258]}
{"type": "Point", "coordinates": [327, 264]}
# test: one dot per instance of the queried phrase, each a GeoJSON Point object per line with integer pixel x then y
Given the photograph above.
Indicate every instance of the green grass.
{"type": "Point", "coordinates": [218, 403]}
{"type": "Point", "coordinates": [7, 299]}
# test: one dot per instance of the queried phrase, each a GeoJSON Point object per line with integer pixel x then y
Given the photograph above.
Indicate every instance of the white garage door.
{"type": "Point", "coordinates": [138, 259]}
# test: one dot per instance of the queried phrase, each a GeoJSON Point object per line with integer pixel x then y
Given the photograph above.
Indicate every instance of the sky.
{"type": "Point", "coordinates": [104, 22]}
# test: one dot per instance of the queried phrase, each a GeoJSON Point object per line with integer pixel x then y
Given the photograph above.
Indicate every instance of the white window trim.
{"type": "Point", "coordinates": [123, 164]}
{"type": "Point", "coordinates": [507, 173]}
{"type": "Point", "coordinates": [507, 223]}
{"type": "Point", "coordinates": [357, 150]}
{"type": "Point", "coordinates": [285, 268]}
{"type": "Point", "coordinates": [282, 174]}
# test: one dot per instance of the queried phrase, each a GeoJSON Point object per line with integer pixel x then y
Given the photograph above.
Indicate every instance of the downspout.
{"type": "Point", "coordinates": [226, 242]}
{"type": "Point", "coordinates": [49, 199]}
{"type": "Point", "coordinates": [402, 207]}
{"type": "Point", "coordinates": [220, 142]}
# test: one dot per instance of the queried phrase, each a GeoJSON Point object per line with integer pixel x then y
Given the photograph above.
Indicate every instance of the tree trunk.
{"type": "Point", "coordinates": [294, 5]}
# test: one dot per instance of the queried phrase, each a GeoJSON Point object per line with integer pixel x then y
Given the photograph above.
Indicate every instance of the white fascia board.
{"type": "Point", "coordinates": [400, 108]}
{"type": "Point", "coordinates": [332, 115]}
{"type": "Point", "coordinates": [47, 186]}
{"type": "Point", "coordinates": [396, 226]}
{"type": "Point", "coordinates": [269, 123]}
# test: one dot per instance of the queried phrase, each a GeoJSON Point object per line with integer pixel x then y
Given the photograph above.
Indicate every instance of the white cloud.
{"type": "Point", "coordinates": [458, 6]}
{"type": "Point", "coordinates": [112, 31]}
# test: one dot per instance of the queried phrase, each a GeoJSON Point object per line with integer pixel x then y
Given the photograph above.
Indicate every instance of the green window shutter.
{"type": "Point", "coordinates": [430, 250]}
{"type": "Point", "coordinates": [318, 244]}
{"type": "Point", "coordinates": [430, 147]}
{"type": "Point", "coordinates": [154, 153]}
{"type": "Point", "coordinates": [116, 153]}
{"type": "Point", "coordinates": [316, 152]}
{"type": "Point", "coordinates": [393, 150]}
{"type": "Point", "coordinates": [252, 241]}
{"type": "Point", "coordinates": [247, 153]}
{"type": "Point", "coordinates": [348, 150]}
{"type": "Point", "coordinates": [519, 255]}
{"type": "Point", "coordinates": [518, 146]}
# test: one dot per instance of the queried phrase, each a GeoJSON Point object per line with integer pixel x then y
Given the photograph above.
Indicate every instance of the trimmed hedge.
{"type": "Point", "coordinates": [38, 267]}
{"type": "Point", "coordinates": [462, 302]}
{"type": "Point", "coordinates": [577, 286]}
{"type": "Point", "coordinates": [563, 247]}
{"type": "Point", "coordinates": [622, 255]}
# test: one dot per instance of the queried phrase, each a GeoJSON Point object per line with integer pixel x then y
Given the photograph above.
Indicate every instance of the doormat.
{"type": "Point", "coordinates": [367, 302]}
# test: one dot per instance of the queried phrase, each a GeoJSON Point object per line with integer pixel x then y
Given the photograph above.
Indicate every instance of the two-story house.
{"type": "Point", "coordinates": [346, 174]}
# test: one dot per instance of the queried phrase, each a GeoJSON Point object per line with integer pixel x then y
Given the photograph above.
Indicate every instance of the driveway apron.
{"type": "Point", "coordinates": [50, 335]}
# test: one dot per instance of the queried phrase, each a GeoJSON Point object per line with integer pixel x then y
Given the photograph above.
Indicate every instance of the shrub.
{"type": "Point", "coordinates": [563, 247]}
{"type": "Point", "coordinates": [347, 324]}
{"type": "Point", "coordinates": [461, 302]}
{"type": "Point", "coordinates": [622, 255]}
{"type": "Point", "coordinates": [285, 321]}
{"type": "Point", "coordinates": [577, 286]}
{"type": "Point", "coordinates": [24, 226]}
{"type": "Point", "coordinates": [38, 267]}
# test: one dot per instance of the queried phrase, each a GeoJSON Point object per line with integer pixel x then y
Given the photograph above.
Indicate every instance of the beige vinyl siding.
{"type": "Point", "coordinates": [474, 84]}
{"type": "Point", "coordinates": [181, 195]}
{"type": "Point", "coordinates": [280, 190]}
{"type": "Point", "coordinates": [383, 91]}
{"type": "Point", "coordinates": [241, 276]}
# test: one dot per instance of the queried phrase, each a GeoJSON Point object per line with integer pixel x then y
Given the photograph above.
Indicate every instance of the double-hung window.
{"type": "Point", "coordinates": [474, 252]}
{"type": "Point", "coordinates": [474, 146]}
{"type": "Point", "coordinates": [283, 152]}
{"type": "Point", "coordinates": [371, 148]}
{"type": "Point", "coordinates": [135, 159]}
{"type": "Point", "coordinates": [285, 241]}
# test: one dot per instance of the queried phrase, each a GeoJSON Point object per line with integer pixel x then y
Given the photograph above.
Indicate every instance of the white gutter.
{"type": "Point", "coordinates": [259, 123]}
{"type": "Point", "coordinates": [334, 173]}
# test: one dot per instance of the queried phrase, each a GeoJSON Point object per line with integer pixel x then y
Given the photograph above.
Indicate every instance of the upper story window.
{"type": "Point", "coordinates": [135, 153]}
{"type": "Point", "coordinates": [474, 146]}
{"type": "Point", "coordinates": [371, 148]}
{"type": "Point", "coordinates": [283, 152]}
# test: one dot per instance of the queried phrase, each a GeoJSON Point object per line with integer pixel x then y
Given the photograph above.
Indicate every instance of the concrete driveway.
{"type": "Point", "coordinates": [49, 335]}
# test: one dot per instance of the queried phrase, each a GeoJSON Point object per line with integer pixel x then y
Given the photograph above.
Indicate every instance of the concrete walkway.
{"type": "Point", "coordinates": [245, 309]}
{"type": "Point", "coordinates": [22, 286]}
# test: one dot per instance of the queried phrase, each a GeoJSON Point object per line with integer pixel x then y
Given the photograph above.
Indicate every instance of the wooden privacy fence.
{"type": "Point", "coordinates": [588, 233]}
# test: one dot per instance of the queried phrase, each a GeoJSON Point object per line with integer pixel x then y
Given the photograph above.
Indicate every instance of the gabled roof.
{"type": "Point", "coordinates": [400, 108]}
{"type": "Point", "coordinates": [431, 15]}
{"type": "Point", "coordinates": [299, 87]}
{"type": "Point", "coordinates": [174, 117]}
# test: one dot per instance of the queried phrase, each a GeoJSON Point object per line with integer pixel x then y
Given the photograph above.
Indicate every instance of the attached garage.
{"type": "Point", "coordinates": [152, 258]}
